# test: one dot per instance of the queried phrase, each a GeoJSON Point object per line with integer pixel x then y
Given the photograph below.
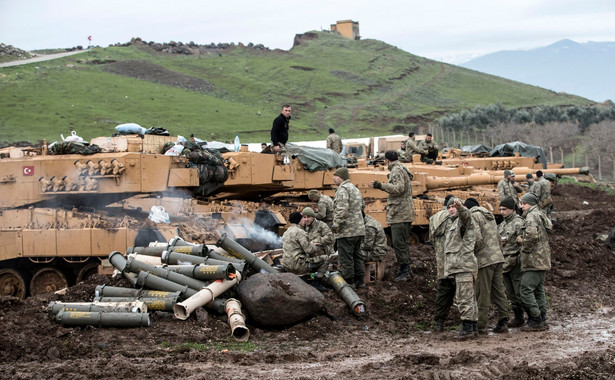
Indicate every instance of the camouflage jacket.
{"type": "Point", "coordinates": [297, 250]}
{"type": "Point", "coordinates": [426, 145]}
{"type": "Point", "coordinates": [325, 209]}
{"type": "Point", "coordinates": [400, 207]}
{"type": "Point", "coordinates": [334, 142]}
{"type": "Point", "coordinates": [347, 217]}
{"type": "Point", "coordinates": [374, 245]}
{"type": "Point", "coordinates": [437, 235]}
{"type": "Point", "coordinates": [487, 247]}
{"type": "Point", "coordinates": [412, 148]}
{"type": "Point", "coordinates": [319, 232]}
{"type": "Point", "coordinates": [459, 244]}
{"type": "Point", "coordinates": [511, 227]}
{"type": "Point", "coordinates": [536, 188]}
{"type": "Point", "coordinates": [535, 250]}
{"type": "Point", "coordinates": [545, 200]}
{"type": "Point", "coordinates": [507, 189]}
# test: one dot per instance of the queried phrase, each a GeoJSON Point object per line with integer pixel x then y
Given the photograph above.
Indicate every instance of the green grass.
{"type": "Point", "coordinates": [360, 88]}
{"type": "Point", "coordinates": [595, 186]}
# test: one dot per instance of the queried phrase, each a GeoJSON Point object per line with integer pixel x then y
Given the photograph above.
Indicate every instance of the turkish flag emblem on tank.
{"type": "Point", "coordinates": [28, 170]}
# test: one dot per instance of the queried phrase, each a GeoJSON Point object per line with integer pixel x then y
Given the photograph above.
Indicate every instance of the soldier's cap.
{"type": "Point", "coordinates": [312, 193]}
{"type": "Point", "coordinates": [295, 217]}
{"type": "Point", "coordinates": [308, 212]}
{"type": "Point", "coordinates": [530, 199]}
{"type": "Point", "coordinates": [551, 176]}
{"type": "Point", "coordinates": [529, 176]}
{"type": "Point", "coordinates": [507, 173]}
{"type": "Point", "coordinates": [450, 201]}
{"type": "Point", "coordinates": [508, 202]}
{"type": "Point", "coordinates": [342, 173]}
{"type": "Point", "coordinates": [471, 202]}
{"type": "Point", "coordinates": [449, 196]}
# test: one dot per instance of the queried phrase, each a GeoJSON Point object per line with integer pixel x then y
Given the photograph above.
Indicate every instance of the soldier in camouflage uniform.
{"type": "Point", "coordinates": [334, 142]}
{"type": "Point", "coordinates": [535, 262]}
{"type": "Point", "coordinates": [299, 255]}
{"type": "Point", "coordinates": [533, 186]}
{"type": "Point", "coordinates": [325, 206]}
{"type": "Point", "coordinates": [545, 202]}
{"type": "Point", "coordinates": [489, 284]}
{"type": "Point", "coordinates": [413, 148]}
{"type": "Point", "coordinates": [374, 245]}
{"type": "Point", "coordinates": [318, 232]}
{"type": "Point", "coordinates": [510, 228]}
{"type": "Point", "coordinates": [348, 228]}
{"type": "Point", "coordinates": [445, 290]}
{"type": "Point", "coordinates": [430, 147]}
{"type": "Point", "coordinates": [460, 263]}
{"type": "Point", "coordinates": [400, 210]}
{"type": "Point", "coordinates": [507, 187]}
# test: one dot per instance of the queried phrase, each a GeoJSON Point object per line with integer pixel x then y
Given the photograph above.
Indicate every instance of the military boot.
{"type": "Point", "coordinates": [475, 328]}
{"type": "Point", "coordinates": [502, 326]}
{"type": "Point", "coordinates": [467, 331]}
{"type": "Point", "coordinates": [359, 284]}
{"type": "Point", "coordinates": [404, 273]}
{"type": "Point", "coordinates": [439, 326]}
{"type": "Point", "coordinates": [533, 324]}
{"type": "Point", "coordinates": [543, 318]}
{"type": "Point", "coordinates": [518, 321]}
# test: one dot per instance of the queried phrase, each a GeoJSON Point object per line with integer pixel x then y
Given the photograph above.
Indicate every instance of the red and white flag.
{"type": "Point", "coordinates": [28, 170]}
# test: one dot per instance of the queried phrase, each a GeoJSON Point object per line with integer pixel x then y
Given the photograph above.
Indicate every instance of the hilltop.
{"type": "Point", "coordinates": [360, 88]}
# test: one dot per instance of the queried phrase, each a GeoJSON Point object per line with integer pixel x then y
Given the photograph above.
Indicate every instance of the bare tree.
{"type": "Point", "coordinates": [600, 145]}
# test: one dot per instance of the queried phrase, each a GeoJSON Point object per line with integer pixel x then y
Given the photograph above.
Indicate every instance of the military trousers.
{"type": "Point", "coordinates": [445, 294]}
{"type": "Point", "coordinates": [400, 233]}
{"type": "Point", "coordinates": [512, 283]}
{"type": "Point", "coordinates": [489, 288]}
{"type": "Point", "coordinates": [464, 294]}
{"type": "Point", "coordinates": [352, 264]}
{"type": "Point", "coordinates": [532, 291]}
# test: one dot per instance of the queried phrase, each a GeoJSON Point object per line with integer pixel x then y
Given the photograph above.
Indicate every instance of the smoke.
{"type": "Point", "coordinates": [253, 232]}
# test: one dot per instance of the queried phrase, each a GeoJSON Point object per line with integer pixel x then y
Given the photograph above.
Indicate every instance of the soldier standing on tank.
{"type": "Point", "coordinates": [318, 232]}
{"type": "Point", "coordinates": [334, 142]}
{"type": "Point", "coordinates": [507, 187]}
{"type": "Point", "coordinates": [535, 262]}
{"type": "Point", "coordinates": [279, 130]}
{"type": "Point", "coordinates": [400, 210]}
{"type": "Point", "coordinates": [511, 228]}
{"type": "Point", "coordinates": [348, 228]}
{"type": "Point", "coordinates": [489, 283]}
{"type": "Point", "coordinates": [445, 289]}
{"type": "Point", "coordinates": [325, 206]}
{"type": "Point", "coordinates": [460, 264]}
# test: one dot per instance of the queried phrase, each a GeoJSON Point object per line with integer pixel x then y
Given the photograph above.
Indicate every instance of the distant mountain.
{"type": "Point", "coordinates": [584, 69]}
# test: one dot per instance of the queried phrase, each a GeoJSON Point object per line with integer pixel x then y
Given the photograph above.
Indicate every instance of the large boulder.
{"type": "Point", "coordinates": [279, 299]}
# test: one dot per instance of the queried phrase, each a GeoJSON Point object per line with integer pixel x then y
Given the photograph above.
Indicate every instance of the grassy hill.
{"type": "Point", "coordinates": [360, 88]}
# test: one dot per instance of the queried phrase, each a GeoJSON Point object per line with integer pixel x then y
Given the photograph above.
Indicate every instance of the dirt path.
{"type": "Point", "coordinates": [41, 58]}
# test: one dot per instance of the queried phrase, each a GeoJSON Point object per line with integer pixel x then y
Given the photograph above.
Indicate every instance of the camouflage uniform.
{"type": "Point", "coordinates": [536, 188]}
{"type": "Point", "coordinates": [299, 256]}
{"type": "Point", "coordinates": [349, 231]}
{"type": "Point", "coordinates": [545, 202]}
{"type": "Point", "coordinates": [535, 261]}
{"type": "Point", "coordinates": [412, 148]}
{"type": "Point", "coordinates": [319, 232]}
{"type": "Point", "coordinates": [334, 142]}
{"type": "Point", "coordinates": [400, 209]}
{"type": "Point", "coordinates": [325, 209]}
{"type": "Point", "coordinates": [489, 285]}
{"type": "Point", "coordinates": [374, 245]}
{"type": "Point", "coordinates": [460, 262]}
{"type": "Point", "coordinates": [511, 227]}
{"type": "Point", "coordinates": [431, 149]}
{"type": "Point", "coordinates": [446, 286]}
{"type": "Point", "coordinates": [507, 189]}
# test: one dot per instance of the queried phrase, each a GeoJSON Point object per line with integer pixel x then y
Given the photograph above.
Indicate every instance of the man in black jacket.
{"type": "Point", "coordinates": [279, 130]}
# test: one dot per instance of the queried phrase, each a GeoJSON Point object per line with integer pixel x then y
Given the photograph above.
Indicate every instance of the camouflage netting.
{"type": "Point", "coordinates": [73, 147]}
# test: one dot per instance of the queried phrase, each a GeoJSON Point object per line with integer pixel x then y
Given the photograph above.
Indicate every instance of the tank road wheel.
{"type": "Point", "coordinates": [47, 280]}
{"type": "Point", "coordinates": [12, 284]}
{"type": "Point", "coordinates": [86, 272]}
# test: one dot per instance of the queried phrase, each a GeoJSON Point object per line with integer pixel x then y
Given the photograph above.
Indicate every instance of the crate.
{"type": "Point", "coordinates": [155, 143]}
{"type": "Point", "coordinates": [377, 268]}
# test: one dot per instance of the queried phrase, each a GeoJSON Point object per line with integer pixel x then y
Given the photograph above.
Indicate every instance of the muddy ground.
{"type": "Point", "coordinates": [393, 341]}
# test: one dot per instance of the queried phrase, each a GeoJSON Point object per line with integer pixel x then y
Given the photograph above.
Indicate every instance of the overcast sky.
{"type": "Point", "coordinates": [446, 30]}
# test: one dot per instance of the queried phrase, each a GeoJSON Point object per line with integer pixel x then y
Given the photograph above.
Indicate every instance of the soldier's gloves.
{"type": "Point", "coordinates": [377, 185]}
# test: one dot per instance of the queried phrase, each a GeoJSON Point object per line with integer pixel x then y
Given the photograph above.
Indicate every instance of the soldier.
{"type": "Point", "coordinates": [401, 152]}
{"type": "Point", "coordinates": [460, 263]}
{"type": "Point", "coordinates": [445, 289]}
{"type": "Point", "coordinates": [318, 232]}
{"type": "Point", "coordinates": [507, 187]}
{"type": "Point", "coordinates": [299, 255]}
{"type": "Point", "coordinates": [510, 228]}
{"type": "Point", "coordinates": [348, 228]}
{"type": "Point", "coordinates": [535, 262]}
{"type": "Point", "coordinates": [533, 186]}
{"type": "Point", "coordinates": [325, 206]}
{"type": "Point", "coordinates": [334, 142]}
{"type": "Point", "coordinates": [545, 202]}
{"type": "Point", "coordinates": [279, 130]}
{"type": "Point", "coordinates": [430, 147]}
{"type": "Point", "coordinates": [374, 245]}
{"type": "Point", "coordinates": [400, 210]}
{"type": "Point", "coordinates": [413, 148]}
{"type": "Point", "coordinates": [489, 283]}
